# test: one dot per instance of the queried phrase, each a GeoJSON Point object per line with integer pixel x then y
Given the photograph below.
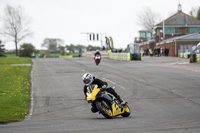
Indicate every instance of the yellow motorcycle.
{"type": "Point", "coordinates": [107, 104]}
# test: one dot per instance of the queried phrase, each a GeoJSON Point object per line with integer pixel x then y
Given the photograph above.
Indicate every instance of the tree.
{"type": "Point", "coordinates": [27, 49]}
{"type": "Point", "coordinates": [194, 11]}
{"type": "Point", "coordinates": [92, 48]}
{"type": "Point", "coordinates": [52, 44]}
{"type": "Point", "coordinates": [1, 50]}
{"type": "Point", "coordinates": [71, 48]}
{"type": "Point", "coordinates": [80, 48]}
{"type": "Point", "coordinates": [15, 25]}
{"type": "Point", "coordinates": [147, 18]}
{"type": "Point", "coordinates": [198, 14]}
{"type": "Point", "coordinates": [62, 50]}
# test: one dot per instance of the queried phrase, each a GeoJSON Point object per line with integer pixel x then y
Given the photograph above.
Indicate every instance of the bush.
{"type": "Point", "coordinates": [26, 50]}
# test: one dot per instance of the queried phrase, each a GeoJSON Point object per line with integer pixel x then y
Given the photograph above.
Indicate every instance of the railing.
{"type": "Point", "coordinates": [115, 56]}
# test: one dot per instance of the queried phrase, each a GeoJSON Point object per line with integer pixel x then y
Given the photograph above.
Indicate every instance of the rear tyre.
{"type": "Point", "coordinates": [127, 111]}
{"type": "Point", "coordinates": [105, 109]}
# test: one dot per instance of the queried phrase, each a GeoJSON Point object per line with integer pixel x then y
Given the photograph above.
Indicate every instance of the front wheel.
{"type": "Point", "coordinates": [127, 111]}
{"type": "Point", "coordinates": [105, 109]}
{"type": "Point", "coordinates": [97, 62]}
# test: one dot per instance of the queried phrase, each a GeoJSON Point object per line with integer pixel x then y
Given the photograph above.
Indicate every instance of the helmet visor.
{"type": "Point", "coordinates": [86, 81]}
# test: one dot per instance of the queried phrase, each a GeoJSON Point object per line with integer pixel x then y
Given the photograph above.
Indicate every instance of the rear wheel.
{"type": "Point", "coordinates": [105, 109]}
{"type": "Point", "coordinates": [127, 111]}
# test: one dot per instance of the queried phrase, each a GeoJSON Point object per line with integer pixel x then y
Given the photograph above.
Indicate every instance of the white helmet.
{"type": "Point", "coordinates": [87, 78]}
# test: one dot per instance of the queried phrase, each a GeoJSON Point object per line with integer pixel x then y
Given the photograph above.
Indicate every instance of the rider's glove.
{"type": "Point", "coordinates": [104, 87]}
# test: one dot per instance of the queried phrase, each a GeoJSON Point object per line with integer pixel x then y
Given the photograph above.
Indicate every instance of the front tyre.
{"type": "Point", "coordinates": [105, 109]}
{"type": "Point", "coordinates": [97, 62]}
{"type": "Point", "coordinates": [127, 111]}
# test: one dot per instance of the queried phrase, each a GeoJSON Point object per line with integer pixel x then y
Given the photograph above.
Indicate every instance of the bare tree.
{"type": "Point", "coordinates": [147, 18]}
{"type": "Point", "coordinates": [194, 11]}
{"type": "Point", "coordinates": [198, 14]}
{"type": "Point", "coordinates": [15, 25]}
{"type": "Point", "coordinates": [52, 44]}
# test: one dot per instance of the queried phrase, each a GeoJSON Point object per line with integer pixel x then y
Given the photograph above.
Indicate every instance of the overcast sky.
{"type": "Point", "coordinates": [67, 19]}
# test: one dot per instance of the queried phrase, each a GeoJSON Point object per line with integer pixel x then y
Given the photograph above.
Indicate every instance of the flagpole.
{"type": "Point", "coordinates": [163, 29]}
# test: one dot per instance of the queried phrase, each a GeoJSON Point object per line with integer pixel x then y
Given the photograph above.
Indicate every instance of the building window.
{"type": "Point", "coordinates": [158, 32]}
{"type": "Point", "coordinates": [191, 30]}
{"type": "Point", "coordinates": [176, 30]}
{"type": "Point", "coordinates": [149, 36]}
{"type": "Point", "coordinates": [187, 30]}
{"type": "Point", "coordinates": [143, 34]}
{"type": "Point", "coordinates": [171, 30]}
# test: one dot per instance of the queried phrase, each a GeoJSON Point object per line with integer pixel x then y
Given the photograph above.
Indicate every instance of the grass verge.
{"type": "Point", "coordinates": [14, 90]}
{"type": "Point", "coordinates": [14, 60]}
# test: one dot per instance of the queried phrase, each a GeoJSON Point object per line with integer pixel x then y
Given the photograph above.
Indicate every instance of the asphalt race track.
{"type": "Point", "coordinates": [163, 94]}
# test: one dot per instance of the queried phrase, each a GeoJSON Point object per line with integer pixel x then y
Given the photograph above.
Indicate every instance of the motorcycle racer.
{"type": "Point", "coordinates": [97, 53]}
{"type": "Point", "coordinates": [89, 80]}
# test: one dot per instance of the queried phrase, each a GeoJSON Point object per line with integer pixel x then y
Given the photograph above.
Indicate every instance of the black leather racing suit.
{"type": "Point", "coordinates": [97, 53]}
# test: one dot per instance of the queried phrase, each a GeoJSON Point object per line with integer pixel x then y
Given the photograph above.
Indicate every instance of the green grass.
{"type": "Point", "coordinates": [74, 54]}
{"type": "Point", "coordinates": [54, 54]}
{"type": "Point", "coordinates": [14, 60]}
{"type": "Point", "coordinates": [51, 54]}
{"type": "Point", "coordinates": [14, 91]}
{"type": "Point", "coordinates": [58, 54]}
{"type": "Point", "coordinates": [10, 55]}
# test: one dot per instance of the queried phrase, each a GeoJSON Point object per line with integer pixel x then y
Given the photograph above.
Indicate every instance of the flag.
{"type": "Point", "coordinates": [111, 40]}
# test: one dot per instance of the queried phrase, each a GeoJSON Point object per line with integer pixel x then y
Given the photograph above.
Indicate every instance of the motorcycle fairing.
{"type": "Point", "coordinates": [92, 96]}
{"type": "Point", "coordinates": [97, 57]}
{"type": "Point", "coordinates": [106, 96]}
{"type": "Point", "coordinates": [116, 109]}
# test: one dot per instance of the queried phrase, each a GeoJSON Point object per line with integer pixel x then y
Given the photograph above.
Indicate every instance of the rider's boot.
{"type": "Point", "coordinates": [94, 109]}
{"type": "Point", "coordinates": [122, 102]}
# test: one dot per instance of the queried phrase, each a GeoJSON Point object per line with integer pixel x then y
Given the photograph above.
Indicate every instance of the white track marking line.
{"type": "Point", "coordinates": [106, 64]}
{"type": "Point", "coordinates": [122, 87]}
{"type": "Point", "coordinates": [32, 101]}
{"type": "Point", "coordinates": [110, 81]}
{"type": "Point", "coordinates": [114, 83]}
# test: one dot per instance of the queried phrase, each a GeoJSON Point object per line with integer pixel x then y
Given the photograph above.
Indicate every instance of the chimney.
{"type": "Point", "coordinates": [179, 8]}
